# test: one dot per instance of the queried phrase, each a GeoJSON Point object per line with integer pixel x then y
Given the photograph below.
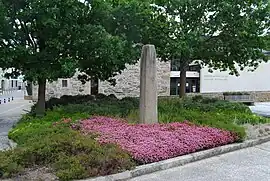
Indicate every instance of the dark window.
{"type": "Point", "coordinates": [194, 68]}
{"type": "Point", "coordinates": [175, 86]}
{"type": "Point", "coordinates": [16, 83]}
{"type": "Point", "coordinates": [192, 85]}
{"type": "Point", "coordinates": [3, 84]}
{"type": "Point", "coordinates": [175, 65]}
{"type": "Point", "coordinates": [64, 83]}
{"type": "Point", "coordinates": [12, 83]}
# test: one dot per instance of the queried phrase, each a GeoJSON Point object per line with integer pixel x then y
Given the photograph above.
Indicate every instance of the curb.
{"type": "Point", "coordinates": [179, 161]}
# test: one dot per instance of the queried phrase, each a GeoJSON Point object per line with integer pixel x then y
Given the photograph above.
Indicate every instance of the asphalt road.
{"type": "Point", "coordinates": [262, 108]}
{"type": "Point", "coordinates": [251, 164]}
{"type": "Point", "coordinates": [10, 113]}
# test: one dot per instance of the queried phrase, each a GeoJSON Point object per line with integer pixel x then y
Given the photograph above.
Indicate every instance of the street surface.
{"type": "Point", "coordinates": [10, 112]}
{"type": "Point", "coordinates": [261, 108]}
{"type": "Point", "coordinates": [251, 164]}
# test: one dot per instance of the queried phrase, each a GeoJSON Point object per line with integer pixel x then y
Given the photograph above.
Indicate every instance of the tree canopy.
{"type": "Point", "coordinates": [46, 40]}
{"type": "Point", "coordinates": [223, 34]}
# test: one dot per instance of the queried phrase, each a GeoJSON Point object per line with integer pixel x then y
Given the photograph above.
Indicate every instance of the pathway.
{"type": "Point", "coordinates": [261, 108]}
{"type": "Point", "coordinates": [9, 115]}
{"type": "Point", "coordinates": [251, 164]}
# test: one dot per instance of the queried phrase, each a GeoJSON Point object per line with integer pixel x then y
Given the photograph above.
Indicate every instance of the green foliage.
{"type": "Point", "coordinates": [50, 141]}
{"type": "Point", "coordinates": [98, 105]}
{"type": "Point", "coordinates": [204, 111]}
{"type": "Point", "coordinates": [223, 35]}
{"type": "Point", "coordinates": [51, 39]}
{"type": "Point", "coordinates": [70, 154]}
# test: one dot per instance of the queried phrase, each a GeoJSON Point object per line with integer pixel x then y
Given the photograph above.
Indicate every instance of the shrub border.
{"type": "Point", "coordinates": [179, 161]}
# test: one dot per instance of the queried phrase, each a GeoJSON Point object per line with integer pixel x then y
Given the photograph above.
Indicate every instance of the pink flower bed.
{"type": "Point", "coordinates": [152, 143]}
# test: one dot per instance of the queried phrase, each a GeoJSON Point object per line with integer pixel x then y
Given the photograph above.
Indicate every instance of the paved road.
{"type": "Point", "coordinates": [19, 94]}
{"type": "Point", "coordinates": [9, 115]}
{"type": "Point", "coordinates": [251, 164]}
{"type": "Point", "coordinates": [262, 108]}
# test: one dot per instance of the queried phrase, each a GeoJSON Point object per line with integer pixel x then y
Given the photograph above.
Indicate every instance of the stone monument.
{"type": "Point", "coordinates": [148, 85]}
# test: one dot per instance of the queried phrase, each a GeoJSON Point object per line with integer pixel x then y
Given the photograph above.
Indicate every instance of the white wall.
{"type": "Point", "coordinates": [217, 81]}
{"type": "Point", "coordinates": [8, 82]}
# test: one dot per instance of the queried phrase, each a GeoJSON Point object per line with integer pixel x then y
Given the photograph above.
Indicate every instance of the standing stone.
{"type": "Point", "coordinates": [148, 85]}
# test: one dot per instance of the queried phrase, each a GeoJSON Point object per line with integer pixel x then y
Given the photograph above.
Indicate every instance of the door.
{"type": "Point", "coordinates": [2, 84]}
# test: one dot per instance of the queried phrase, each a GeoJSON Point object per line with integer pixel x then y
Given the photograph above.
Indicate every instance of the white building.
{"type": "Point", "coordinates": [199, 81]}
{"type": "Point", "coordinates": [10, 84]}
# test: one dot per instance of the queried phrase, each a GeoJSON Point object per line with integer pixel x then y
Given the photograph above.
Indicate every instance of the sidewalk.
{"type": "Point", "coordinates": [261, 108]}
{"type": "Point", "coordinates": [10, 113]}
{"type": "Point", "coordinates": [7, 97]}
{"type": "Point", "coordinates": [251, 164]}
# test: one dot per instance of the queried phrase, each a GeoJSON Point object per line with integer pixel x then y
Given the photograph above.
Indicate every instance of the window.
{"type": "Point", "coordinates": [192, 85]}
{"type": "Point", "coordinates": [195, 68]}
{"type": "Point", "coordinates": [175, 65]}
{"type": "Point", "coordinates": [12, 83]}
{"type": "Point", "coordinates": [64, 83]}
{"type": "Point", "coordinates": [16, 83]}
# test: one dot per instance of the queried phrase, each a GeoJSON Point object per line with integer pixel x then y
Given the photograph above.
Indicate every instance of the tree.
{"type": "Point", "coordinates": [136, 22]}
{"type": "Point", "coordinates": [221, 34]}
{"type": "Point", "coordinates": [46, 40]}
{"type": "Point", "coordinates": [38, 39]}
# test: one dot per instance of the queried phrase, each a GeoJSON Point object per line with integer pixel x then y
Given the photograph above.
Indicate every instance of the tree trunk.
{"type": "Point", "coordinates": [40, 110]}
{"type": "Point", "coordinates": [94, 86]}
{"type": "Point", "coordinates": [183, 77]}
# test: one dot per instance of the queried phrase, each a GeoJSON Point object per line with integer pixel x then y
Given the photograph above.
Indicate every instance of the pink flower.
{"type": "Point", "coordinates": [151, 143]}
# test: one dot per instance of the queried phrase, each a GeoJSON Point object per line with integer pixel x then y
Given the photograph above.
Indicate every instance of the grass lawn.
{"type": "Point", "coordinates": [107, 143]}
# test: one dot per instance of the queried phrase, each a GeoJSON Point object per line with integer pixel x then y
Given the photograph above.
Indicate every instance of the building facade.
{"type": "Point", "coordinates": [10, 84]}
{"type": "Point", "coordinates": [127, 84]}
{"type": "Point", "coordinates": [199, 81]}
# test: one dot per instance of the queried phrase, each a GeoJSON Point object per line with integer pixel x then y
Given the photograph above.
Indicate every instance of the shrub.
{"type": "Point", "coordinates": [70, 154]}
{"type": "Point", "coordinates": [50, 142]}
{"type": "Point", "coordinates": [151, 143]}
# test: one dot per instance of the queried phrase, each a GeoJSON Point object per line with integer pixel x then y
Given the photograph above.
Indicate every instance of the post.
{"type": "Point", "coordinates": [148, 85]}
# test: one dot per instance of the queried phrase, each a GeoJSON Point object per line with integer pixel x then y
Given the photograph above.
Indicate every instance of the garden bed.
{"type": "Point", "coordinates": [108, 139]}
{"type": "Point", "coordinates": [156, 142]}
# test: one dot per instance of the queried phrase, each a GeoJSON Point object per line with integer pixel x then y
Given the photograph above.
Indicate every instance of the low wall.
{"type": "Point", "coordinates": [258, 96]}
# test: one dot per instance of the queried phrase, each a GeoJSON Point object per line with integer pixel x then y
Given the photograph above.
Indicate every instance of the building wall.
{"type": "Point", "coordinates": [55, 89]}
{"type": "Point", "coordinates": [259, 96]}
{"type": "Point", "coordinates": [257, 81]}
{"type": "Point", "coordinates": [6, 84]}
{"type": "Point", "coordinates": [128, 82]}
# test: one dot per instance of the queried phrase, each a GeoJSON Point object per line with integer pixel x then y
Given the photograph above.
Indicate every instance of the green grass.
{"type": "Point", "coordinates": [69, 153]}
{"type": "Point", "coordinates": [202, 111]}
{"type": "Point", "coordinates": [76, 156]}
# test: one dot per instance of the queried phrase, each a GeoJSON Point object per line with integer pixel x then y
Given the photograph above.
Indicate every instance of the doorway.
{"type": "Point", "coordinates": [2, 84]}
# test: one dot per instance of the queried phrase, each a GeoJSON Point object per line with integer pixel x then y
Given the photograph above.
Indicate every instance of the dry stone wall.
{"type": "Point", "coordinates": [128, 84]}
{"type": "Point", "coordinates": [55, 89]}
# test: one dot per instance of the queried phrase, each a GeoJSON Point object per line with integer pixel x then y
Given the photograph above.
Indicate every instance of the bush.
{"type": "Point", "coordinates": [105, 107]}
{"type": "Point", "coordinates": [72, 155]}
{"type": "Point", "coordinates": [199, 110]}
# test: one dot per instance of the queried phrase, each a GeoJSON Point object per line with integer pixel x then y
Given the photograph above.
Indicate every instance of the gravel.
{"type": "Point", "coordinates": [257, 131]}
{"type": "Point", "coordinates": [38, 174]}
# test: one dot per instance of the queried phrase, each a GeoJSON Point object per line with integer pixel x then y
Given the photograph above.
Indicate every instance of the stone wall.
{"type": "Point", "coordinates": [55, 89]}
{"type": "Point", "coordinates": [259, 96]}
{"type": "Point", "coordinates": [128, 82]}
